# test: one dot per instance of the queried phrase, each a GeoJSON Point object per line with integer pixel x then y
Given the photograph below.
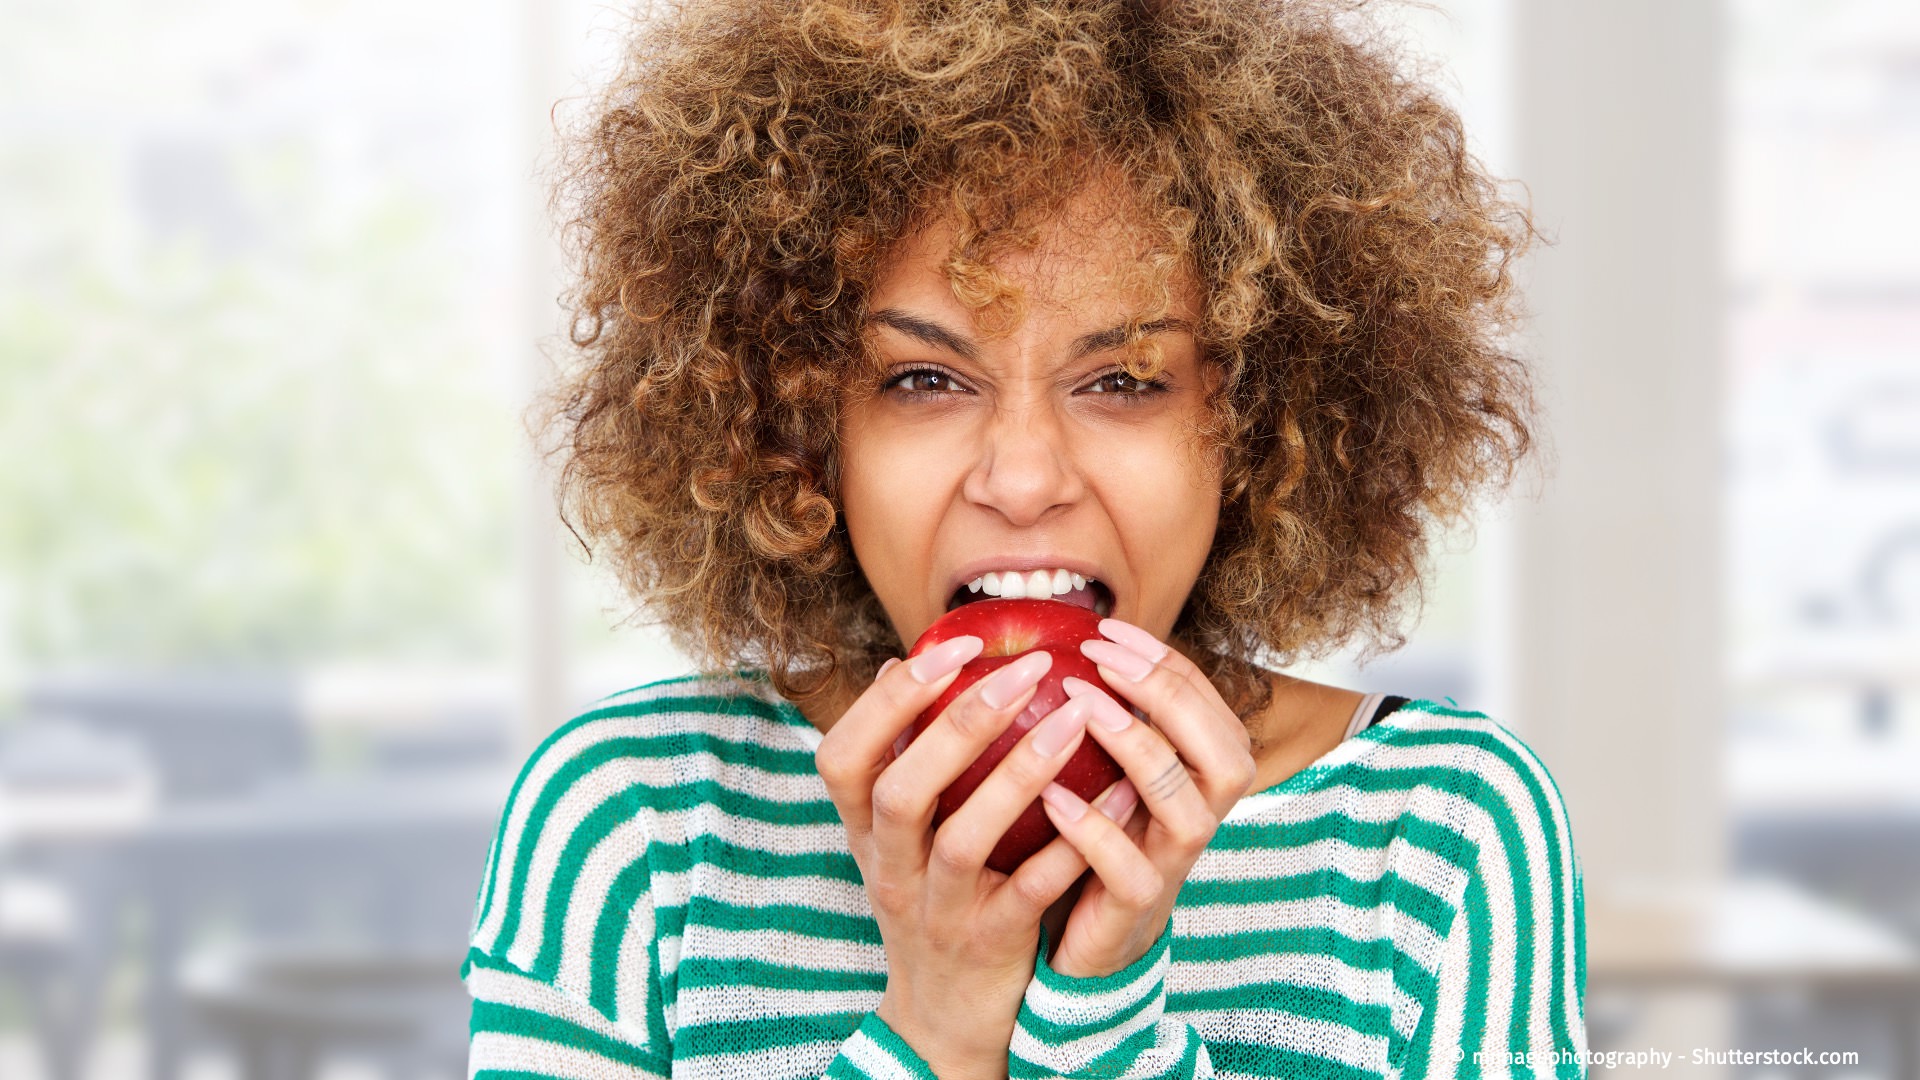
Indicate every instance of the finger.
{"type": "Point", "coordinates": [853, 752]}
{"type": "Point", "coordinates": [968, 837]}
{"type": "Point", "coordinates": [1128, 875]}
{"type": "Point", "coordinates": [1186, 708]}
{"type": "Point", "coordinates": [1165, 656]}
{"type": "Point", "coordinates": [1047, 874]}
{"type": "Point", "coordinates": [908, 791]}
{"type": "Point", "coordinates": [1168, 790]}
{"type": "Point", "coordinates": [1119, 802]}
{"type": "Point", "coordinates": [1035, 885]}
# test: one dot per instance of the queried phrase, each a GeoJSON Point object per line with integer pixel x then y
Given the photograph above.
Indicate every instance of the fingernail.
{"type": "Point", "coordinates": [936, 663]}
{"type": "Point", "coordinates": [1122, 660]}
{"type": "Point", "coordinates": [886, 667]}
{"type": "Point", "coordinates": [1119, 801]}
{"type": "Point", "coordinates": [1064, 802]}
{"type": "Point", "coordinates": [1110, 715]}
{"type": "Point", "coordinates": [1059, 729]}
{"type": "Point", "coordinates": [1134, 638]}
{"type": "Point", "coordinates": [1003, 686]}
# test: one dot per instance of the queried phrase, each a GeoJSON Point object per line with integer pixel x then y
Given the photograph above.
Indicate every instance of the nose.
{"type": "Point", "coordinates": [1025, 468]}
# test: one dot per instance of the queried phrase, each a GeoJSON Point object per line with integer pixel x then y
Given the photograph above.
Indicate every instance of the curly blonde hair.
{"type": "Point", "coordinates": [746, 176]}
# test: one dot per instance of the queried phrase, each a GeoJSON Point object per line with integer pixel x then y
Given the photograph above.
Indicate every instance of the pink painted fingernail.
{"type": "Point", "coordinates": [1124, 661]}
{"type": "Point", "coordinates": [1107, 711]}
{"type": "Point", "coordinates": [1134, 638]}
{"type": "Point", "coordinates": [1059, 728]}
{"type": "Point", "coordinates": [1119, 802]}
{"type": "Point", "coordinates": [1110, 715]}
{"type": "Point", "coordinates": [934, 664]}
{"type": "Point", "coordinates": [1003, 686]}
{"type": "Point", "coordinates": [886, 667]}
{"type": "Point", "coordinates": [1064, 802]}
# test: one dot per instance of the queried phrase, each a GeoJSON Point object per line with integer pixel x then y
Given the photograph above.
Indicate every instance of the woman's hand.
{"type": "Point", "coordinates": [960, 937]}
{"type": "Point", "coordinates": [1189, 767]}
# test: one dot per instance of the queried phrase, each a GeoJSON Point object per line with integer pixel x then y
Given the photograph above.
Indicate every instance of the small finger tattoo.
{"type": "Point", "coordinates": [1169, 781]}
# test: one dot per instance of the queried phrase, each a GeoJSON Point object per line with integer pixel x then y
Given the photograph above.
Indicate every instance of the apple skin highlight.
{"type": "Point", "coordinates": [1011, 629]}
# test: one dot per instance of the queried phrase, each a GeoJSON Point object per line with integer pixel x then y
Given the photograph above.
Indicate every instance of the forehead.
{"type": "Point", "coordinates": [1095, 250]}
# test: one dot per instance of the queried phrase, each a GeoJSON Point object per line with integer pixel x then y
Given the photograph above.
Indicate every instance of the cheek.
{"type": "Point", "coordinates": [860, 482]}
{"type": "Point", "coordinates": [889, 500]}
{"type": "Point", "coordinates": [1165, 494]}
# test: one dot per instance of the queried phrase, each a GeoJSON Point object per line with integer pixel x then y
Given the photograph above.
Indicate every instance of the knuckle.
{"type": "Point", "coordinates": [1033, 892]}
{"type": "Point", "coordinates": [1245, 774]}
{"type": "Point", "coordinates": [890, 898]}
{"type": "Point", "coordinates": [952, 853]}
{"type": "Point", "coordinates": [894, 801]}
{"type": "Point", "coordinates": [1194, 841]}
{"type": "Point", "coordinates": [900, 695]}
{"type": "Point", "coordinates": [828, 765]}
{"type": "Point", "coordinates": [1030, 771]}
{"type": "Point", "coordinates": [972, 719]}
{"type": "Point", "coordinates": [1191, 833]}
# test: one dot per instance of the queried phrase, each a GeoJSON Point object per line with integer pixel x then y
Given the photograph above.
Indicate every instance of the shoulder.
{"type": "Point", "coordinates": [1511, 972]}
{"type": "Point", "coordinates": [1435, 782]}
{"type": "Point", "coordinates": [1469, 758]}
{"type": "Point", "coordinates": [666, 733]}
{"type": "Point", "coordinates": [1483, 823]}
{"type": "Point", "coordinates": [728, 702]}
{"type": "Point", "coordinates": [1486, 802]}
{"type": "Point", "coordinates": [604, 785]}
{"type": "Point", "coordinates": [664, 718]}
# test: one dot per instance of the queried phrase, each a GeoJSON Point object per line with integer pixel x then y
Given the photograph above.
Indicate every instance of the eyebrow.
{"type": "Point", "coordinates": [932, 333]}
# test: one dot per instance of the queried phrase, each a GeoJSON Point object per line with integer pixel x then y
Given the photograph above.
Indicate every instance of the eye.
{"type": "Point", "coordinates": [923, 382]}
{"type": "Point", "coordinates": [1119, 382]}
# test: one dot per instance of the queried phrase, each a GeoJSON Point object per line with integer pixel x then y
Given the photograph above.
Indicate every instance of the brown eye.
{"type": "Point", "coordinates": [921, 382]}
{"type": "Point", "coordinates": [924, 381]}
{"type": "Point", "coordinates": [1118, 382]}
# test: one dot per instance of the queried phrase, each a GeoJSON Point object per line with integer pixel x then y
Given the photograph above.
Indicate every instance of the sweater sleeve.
{"type": "Point", "coordinates": [1113, 1027]}
{"type": "Point", "coordinates": [565, 952]}
{"type": "Point", "coordinates": [1512, 970]}
{"type": "Point", "coordinates": [524, 1027]}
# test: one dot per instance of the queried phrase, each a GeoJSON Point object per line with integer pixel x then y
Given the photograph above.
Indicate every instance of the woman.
{"type": "Point", "coordinates": [1191, 314]}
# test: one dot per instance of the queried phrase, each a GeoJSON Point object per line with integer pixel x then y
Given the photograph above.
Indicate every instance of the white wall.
{"type": "Point", "coordinates": [1615, 668]}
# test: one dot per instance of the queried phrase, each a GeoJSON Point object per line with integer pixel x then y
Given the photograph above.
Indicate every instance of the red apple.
{"type": "Point", "coordinates": [1011, 629]}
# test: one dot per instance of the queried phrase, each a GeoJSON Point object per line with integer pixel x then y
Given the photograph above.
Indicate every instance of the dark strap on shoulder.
{"type": "Point", "coordinates": [1387, 705]}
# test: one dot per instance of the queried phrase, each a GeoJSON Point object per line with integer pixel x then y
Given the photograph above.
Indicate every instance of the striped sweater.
{"type": "Point", "coordinates": [670, 893]}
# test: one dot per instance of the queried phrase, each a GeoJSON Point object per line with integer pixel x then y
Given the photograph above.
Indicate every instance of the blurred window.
{"type": "Point", "coordinates": [1823, 399]}
{"type": "Point", "coordinates": [257, 334]}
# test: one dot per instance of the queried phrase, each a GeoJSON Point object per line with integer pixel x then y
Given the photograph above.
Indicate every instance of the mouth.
{"type": "Point", "coordinates": [1086, 592]}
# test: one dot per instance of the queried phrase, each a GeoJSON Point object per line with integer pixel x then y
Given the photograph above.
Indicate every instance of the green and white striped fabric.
{"type": "Point", "coordinates": [670, 893]}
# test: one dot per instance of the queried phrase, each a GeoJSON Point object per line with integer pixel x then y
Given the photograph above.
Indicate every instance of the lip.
{"type": "Point", "coordinates": [1022, 564]}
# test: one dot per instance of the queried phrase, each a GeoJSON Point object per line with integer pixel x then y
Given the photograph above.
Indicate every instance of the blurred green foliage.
{"type": "Point", "coordinates": [245, 417]}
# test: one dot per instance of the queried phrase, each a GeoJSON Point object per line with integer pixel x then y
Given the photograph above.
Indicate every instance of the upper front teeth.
{"type": "Point", "coordinates": [1035, 584]}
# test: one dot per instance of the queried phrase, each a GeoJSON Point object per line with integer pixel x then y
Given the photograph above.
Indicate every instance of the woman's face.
{"type": "Point", "coordinates": [1030, 451]}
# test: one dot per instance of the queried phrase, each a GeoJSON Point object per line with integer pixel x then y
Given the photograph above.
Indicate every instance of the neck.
{"type": "Point", "coordinates": [825, 709]}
